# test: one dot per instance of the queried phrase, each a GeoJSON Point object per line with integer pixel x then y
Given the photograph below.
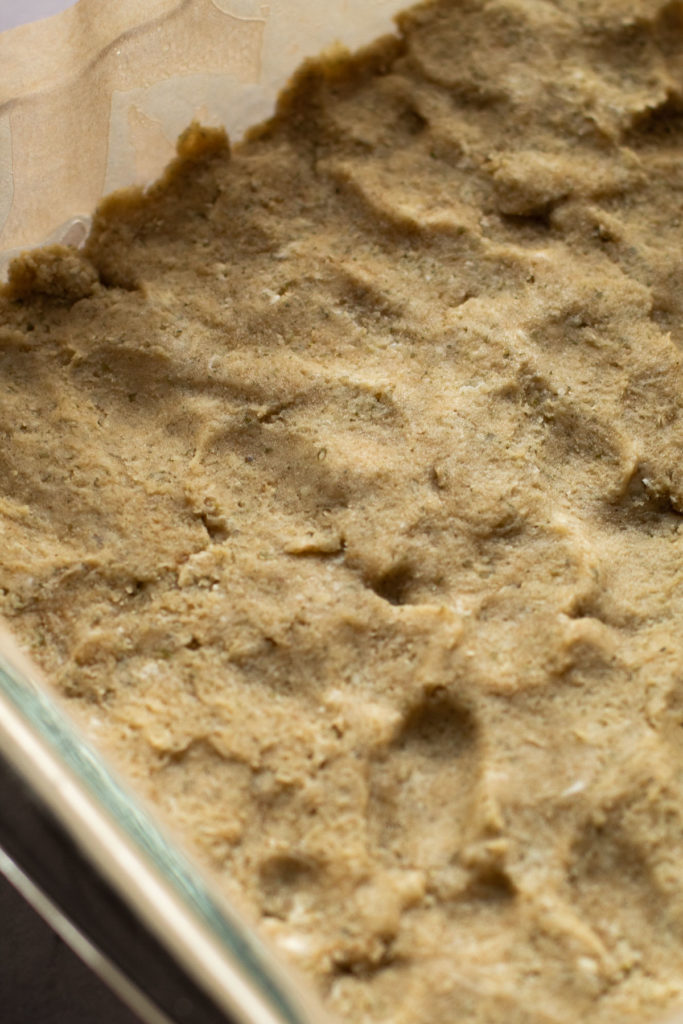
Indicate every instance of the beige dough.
{"type": "Point", "coordinates": [341, 487]}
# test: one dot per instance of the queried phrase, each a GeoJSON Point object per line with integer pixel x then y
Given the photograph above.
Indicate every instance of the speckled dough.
{"type": "Point", "coordinates": [340, 494]}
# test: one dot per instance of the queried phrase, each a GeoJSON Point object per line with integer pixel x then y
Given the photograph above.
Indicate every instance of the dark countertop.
{"type": "Point", "coordinates": [41, 980]}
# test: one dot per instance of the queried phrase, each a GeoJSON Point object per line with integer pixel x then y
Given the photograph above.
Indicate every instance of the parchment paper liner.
{"type": "Point", "coordinates": [93, 99]}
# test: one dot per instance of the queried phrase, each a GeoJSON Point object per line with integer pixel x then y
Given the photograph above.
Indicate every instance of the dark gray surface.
{"type": "Point", "coordinates": [16, 12]}
{"type": "Point", "coordinates": [41, 980]}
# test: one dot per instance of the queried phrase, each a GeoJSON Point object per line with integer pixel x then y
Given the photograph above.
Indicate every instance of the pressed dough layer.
{"type": "Point", "coordinates": [340, 495]}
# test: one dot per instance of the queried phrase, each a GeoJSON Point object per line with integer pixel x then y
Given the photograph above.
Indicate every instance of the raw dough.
{"type": "Point", "coordinates": [341, 493]}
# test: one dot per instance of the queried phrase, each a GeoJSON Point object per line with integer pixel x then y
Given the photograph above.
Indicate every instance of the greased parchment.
{"type": "Point", "coordinates": [93, 99]}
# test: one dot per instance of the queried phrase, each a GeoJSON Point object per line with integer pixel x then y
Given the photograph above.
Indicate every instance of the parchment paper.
{"type": "Point", "coordinates": [93, 99]}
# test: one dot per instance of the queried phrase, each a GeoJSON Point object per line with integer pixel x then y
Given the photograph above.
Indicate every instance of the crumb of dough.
{"type": "Point", "coordinates": [340, 497]}
{"type": "Point", "coordinates": [55, 271]}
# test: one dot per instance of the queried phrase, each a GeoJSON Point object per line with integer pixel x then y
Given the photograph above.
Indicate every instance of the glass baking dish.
{"type": "Point", "coordinates": [84, 851]}
{"type": "Point", "coordinates": [93, 862]}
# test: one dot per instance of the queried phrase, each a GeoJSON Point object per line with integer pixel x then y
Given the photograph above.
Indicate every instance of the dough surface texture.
{"type": "Point", "coordinates": [341, 495]}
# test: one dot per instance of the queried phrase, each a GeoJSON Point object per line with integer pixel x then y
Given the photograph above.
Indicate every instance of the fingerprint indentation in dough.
{"type": "Point", "coordinates": [423, 789]}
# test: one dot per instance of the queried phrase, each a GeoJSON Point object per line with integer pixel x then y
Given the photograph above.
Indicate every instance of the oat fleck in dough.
{"type": "Point", "coordinates": [341, 495]}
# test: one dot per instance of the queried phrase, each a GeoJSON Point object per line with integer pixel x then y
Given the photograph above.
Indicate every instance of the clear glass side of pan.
{"type": "Point", "coordinates": [99, 869]}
